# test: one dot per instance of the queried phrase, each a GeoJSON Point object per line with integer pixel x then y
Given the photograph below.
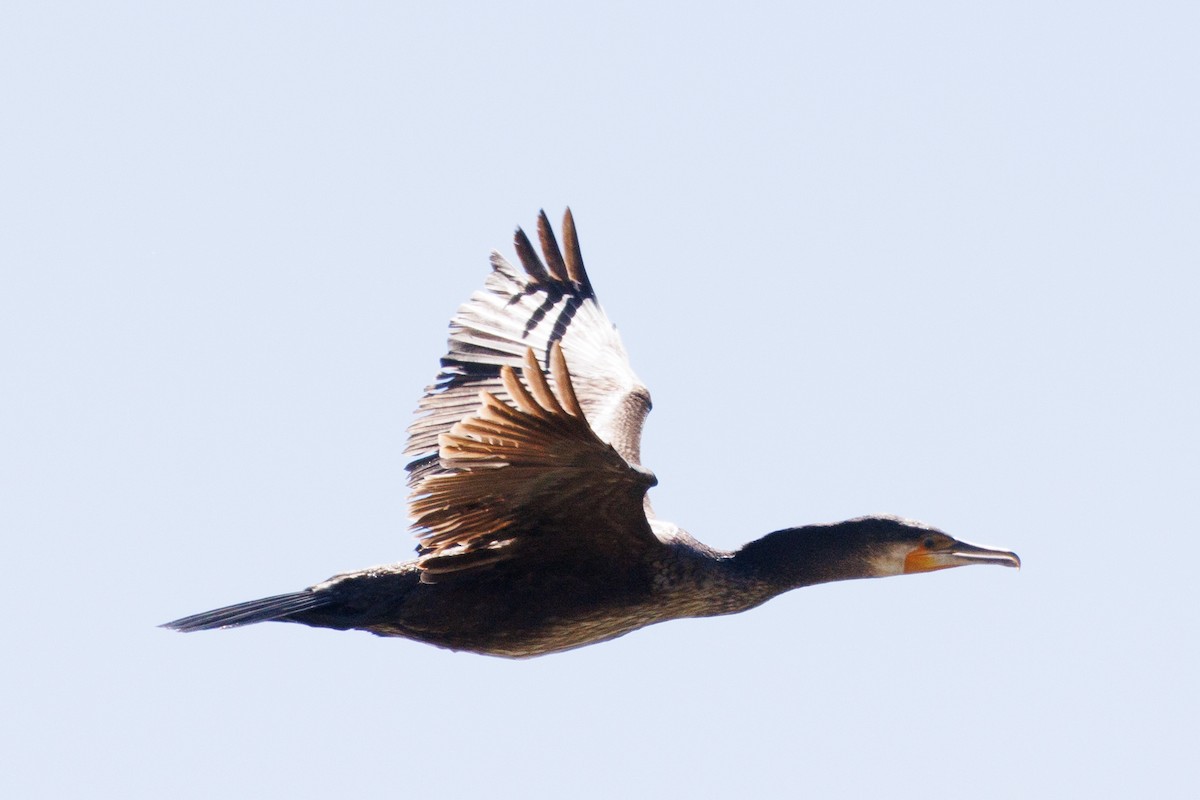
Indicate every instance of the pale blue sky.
{"type": "Point", "coordinates": [935, 260]}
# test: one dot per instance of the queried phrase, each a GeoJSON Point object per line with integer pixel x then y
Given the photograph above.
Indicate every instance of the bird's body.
{"type": "Point", "coordinates": [520, 613]}
{"type": "Point", "coordinates": [530, 500]}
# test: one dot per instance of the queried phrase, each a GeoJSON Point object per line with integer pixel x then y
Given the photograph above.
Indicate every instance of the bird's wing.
{"type": "Point", "coordinates": [551, 302]}
{"type": "Point", "coordinates": [530, 481]}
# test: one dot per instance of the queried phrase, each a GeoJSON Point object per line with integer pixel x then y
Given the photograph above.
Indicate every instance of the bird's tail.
{"type": "Point", "coordinates": [279, 607]}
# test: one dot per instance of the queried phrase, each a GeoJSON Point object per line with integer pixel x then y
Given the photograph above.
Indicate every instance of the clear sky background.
{"type": "Point", "coordinates": [937, 260]}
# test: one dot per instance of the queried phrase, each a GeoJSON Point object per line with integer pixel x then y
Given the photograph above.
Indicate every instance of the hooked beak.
{"type": "Point", "coordinates": [960, 554]}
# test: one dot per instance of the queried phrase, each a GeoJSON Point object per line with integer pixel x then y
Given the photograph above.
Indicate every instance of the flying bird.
{"type": "Point", "coordinates": [528, 496]}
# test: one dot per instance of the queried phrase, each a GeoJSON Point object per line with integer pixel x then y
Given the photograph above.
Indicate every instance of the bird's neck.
{"type": "Point", "coordinates": [796, 557]}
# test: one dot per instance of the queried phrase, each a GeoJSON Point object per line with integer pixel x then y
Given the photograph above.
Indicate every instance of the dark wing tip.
{"type": "Point", "coordinates": [554, 259]}
{"type": "Point", "coordinates": [575, 268]}
{"type": "Point", "coordinates": [529, 257]}
{"type": "Point", "coordinates": [559, 266]}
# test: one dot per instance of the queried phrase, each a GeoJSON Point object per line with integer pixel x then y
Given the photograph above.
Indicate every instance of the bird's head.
{"type": "Point", "coordinates": [897, 546]}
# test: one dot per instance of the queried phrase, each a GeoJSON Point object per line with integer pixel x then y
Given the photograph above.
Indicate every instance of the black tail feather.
{"type": "Point", "coordinates": [279, 607]}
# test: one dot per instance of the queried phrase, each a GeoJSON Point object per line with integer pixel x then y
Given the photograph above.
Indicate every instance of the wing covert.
{"type": "Point", "coordinates": [530, 480]}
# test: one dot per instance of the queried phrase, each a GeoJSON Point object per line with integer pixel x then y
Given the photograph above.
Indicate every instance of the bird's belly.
{"type": "Point", "coordinates": [520, 630]}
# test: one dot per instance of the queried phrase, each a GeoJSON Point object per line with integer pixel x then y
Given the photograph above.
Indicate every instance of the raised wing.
{"type": "Point", "coordinates": [530, 481]}
{"type": "Point", "coordinates": [513, 313]}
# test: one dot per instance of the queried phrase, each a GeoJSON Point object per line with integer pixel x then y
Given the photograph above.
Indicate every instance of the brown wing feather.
{"type": "Point", "coordinates": [554, 259]}
{"type": "Point", "coordinates": [532, 482]}
{"type": "Point", "coordinates": [575, 268]}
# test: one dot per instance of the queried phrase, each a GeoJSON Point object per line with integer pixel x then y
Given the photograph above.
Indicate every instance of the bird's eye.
{"type": "Point", "coordinates": [929, 543]}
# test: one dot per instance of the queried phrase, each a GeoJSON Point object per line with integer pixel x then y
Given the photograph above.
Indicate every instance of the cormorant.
{"type": "Point", "coordinates": [529, 497]}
